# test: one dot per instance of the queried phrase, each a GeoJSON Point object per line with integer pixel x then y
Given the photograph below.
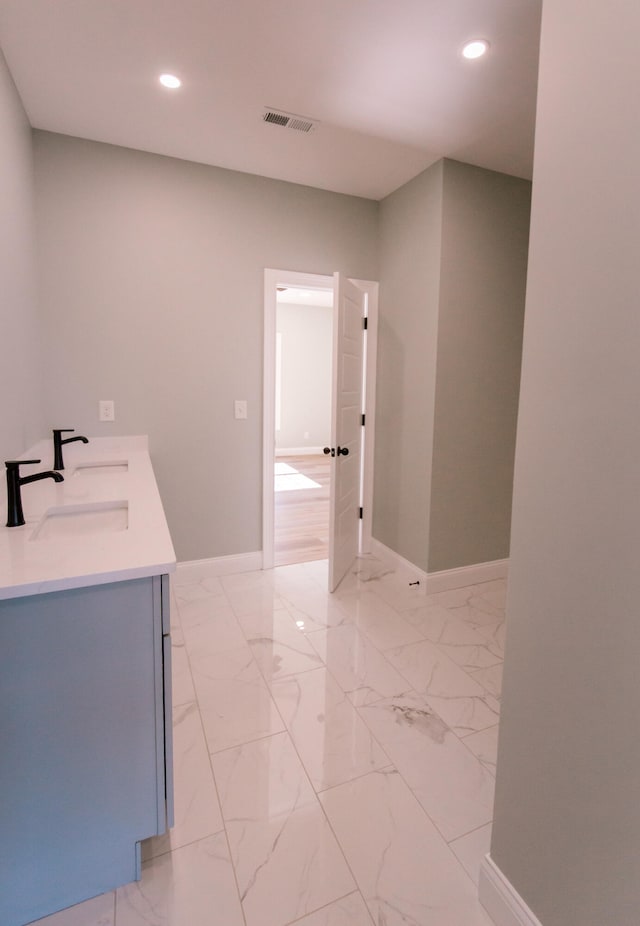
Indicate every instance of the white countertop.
{"type": "Point", "coordinates": [64, 542]}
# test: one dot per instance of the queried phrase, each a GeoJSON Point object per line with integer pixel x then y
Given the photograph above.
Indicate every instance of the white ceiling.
{"type": "Point", "coordinates": [385, 79]}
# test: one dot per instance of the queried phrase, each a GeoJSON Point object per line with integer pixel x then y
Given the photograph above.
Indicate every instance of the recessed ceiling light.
{"type": "Point", "coordinates": [170, 80]}
{"type": "Point", "coordinates": [475, 49]}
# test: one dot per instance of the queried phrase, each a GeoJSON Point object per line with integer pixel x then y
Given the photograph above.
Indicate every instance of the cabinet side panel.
{"type": "Point", "coordinates": [168, 732]}
{"type": "Point", "coordinates": [165, 593]}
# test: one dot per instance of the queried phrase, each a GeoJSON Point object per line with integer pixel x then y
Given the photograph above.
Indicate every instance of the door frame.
{"type": "Point", "coordinates": [272, 279]}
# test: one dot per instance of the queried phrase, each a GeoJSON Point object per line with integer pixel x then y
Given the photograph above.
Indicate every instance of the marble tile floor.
{"type": "Point", "coordinates": [334, 754]}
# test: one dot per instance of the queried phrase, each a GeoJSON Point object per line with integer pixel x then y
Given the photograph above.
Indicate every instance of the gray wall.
{"type": "Point", "coordinates": [152, 295]}
{"type": "Point", "coordinates": [20, 368]}
{"type": "Point", "coordinates": [567, 812]}
{"type": "Point", "coordinates": [485, 232]}
{"type": "Point", "coordinates": [307, 351]}
{"type": "Point", "coordinates": [410, 242]}
{"type": "Point", "coordinates": [453, 253]}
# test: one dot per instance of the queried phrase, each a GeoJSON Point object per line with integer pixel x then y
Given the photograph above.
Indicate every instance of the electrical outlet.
{"type": "Point", "coordinates": [106, 410]}
{"type": "Point", "coordinates": [306, 435]}
{"type": "Point", "coordinates": [240, 408]}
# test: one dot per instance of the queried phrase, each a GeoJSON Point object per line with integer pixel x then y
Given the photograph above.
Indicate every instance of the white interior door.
{"type": "Point", "coordinates": [346, 429]}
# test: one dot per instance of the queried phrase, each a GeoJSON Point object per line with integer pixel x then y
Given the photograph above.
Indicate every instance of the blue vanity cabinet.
{"type": "Point", "coordinates": [85, 741]}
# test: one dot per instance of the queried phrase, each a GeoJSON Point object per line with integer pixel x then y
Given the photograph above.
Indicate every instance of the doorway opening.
{"type": "Point", "coordinates": [302, 471]}
{"type": "Point", "coordinates": [316, 412]}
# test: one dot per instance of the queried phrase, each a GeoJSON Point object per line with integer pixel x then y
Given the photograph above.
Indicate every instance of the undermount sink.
{"type": "Point", "coordinates": [101, 469]}
{"type": "Point", "coordinates": [83, 520]}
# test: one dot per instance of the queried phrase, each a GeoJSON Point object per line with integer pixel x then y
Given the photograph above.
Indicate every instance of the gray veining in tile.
{"type": "Point", "coordinates": [490, 677]}
{"type": "Point", "coordinates": [279, 647]}
{"type": "Point", "coordinates": [183, 691]}
{"type": "Point", "coordinates": [471, 850]}
{"type": "Point", "coordinates": [197, 813]}
{"type": "Point", "coordinates": [405, 870]}
{"type": "Point", "coordinates": [235, 703]}
{"type": "Point", "coordinates": [286, 858]}
{"type": "Point", "coordinates": [379, 621]}
{"type": "Point", "coordinates": [349, 911]}
{"type": "Point", "coordinates": [358, 666]}
{"type": "Point", "coordinates": [332, 740]}
{"type": "Point", "coordinates": [183, 888]}
{"type": "Point", "coordinates": [453, 786]}
{"type": "Point", "coordinates": [451, 692]}
{"type": "Point", "coordinates": [99, 911]}
{"type": "Point", "coordinates": [484, 745]}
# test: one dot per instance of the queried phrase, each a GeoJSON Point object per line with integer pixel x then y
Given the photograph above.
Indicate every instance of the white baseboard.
{"type": "Point", "coordinates": [399, 562]}
{"type": "Point", "coordinates": [298, 451]}
{"type": "Point", "coordinates": [218, 566]}
{"type": "Point", "coordinates": [430, 583]}
{"type": "Point", "coordinates": [501, 900]}
{"type": "Point", "coordinates": [466, 575]}
{"type": "Point", "coordinates": [433, 582]}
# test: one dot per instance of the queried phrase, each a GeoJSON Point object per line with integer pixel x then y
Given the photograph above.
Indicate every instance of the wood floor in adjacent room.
{"type": "Point", "coordinates": [302, 515]}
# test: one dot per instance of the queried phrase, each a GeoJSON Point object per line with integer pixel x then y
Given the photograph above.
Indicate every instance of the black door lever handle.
{"type": "Point", "coordinates": [343, 451]}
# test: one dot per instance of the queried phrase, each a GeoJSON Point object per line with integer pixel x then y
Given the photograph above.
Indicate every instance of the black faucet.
{"type": "Point", "coordinates": [15, 517]}
{"type": "Point", "coordinates": [58, 442]}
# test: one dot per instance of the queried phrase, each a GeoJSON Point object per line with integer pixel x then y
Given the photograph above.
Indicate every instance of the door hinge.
{"type": "Point", "coordinates": [365, 323]}
{"type": "Point", "coordinates": [362, 422]}
{"type": "Point", "coordinates": [361, 514]}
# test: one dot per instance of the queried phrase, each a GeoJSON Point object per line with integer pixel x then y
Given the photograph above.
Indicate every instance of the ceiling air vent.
{"type": "Point", "coordinates": [289, 121]}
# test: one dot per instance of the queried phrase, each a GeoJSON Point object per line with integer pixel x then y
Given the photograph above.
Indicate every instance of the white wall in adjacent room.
{"type": "Point", "coordinates": [306, 347]}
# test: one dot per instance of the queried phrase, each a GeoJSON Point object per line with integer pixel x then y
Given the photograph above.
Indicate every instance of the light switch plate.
{"type": "Point", "coordinates": [240, 408]}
